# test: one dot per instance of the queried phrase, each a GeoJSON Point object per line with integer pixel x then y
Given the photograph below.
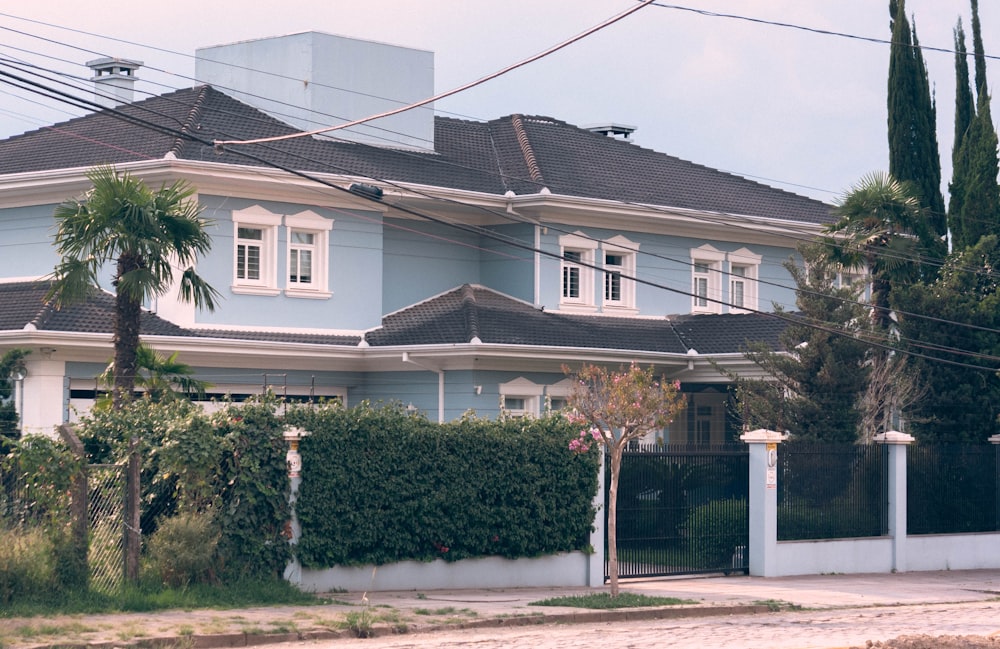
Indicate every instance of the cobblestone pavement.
{"type": "Point", "coordinates": [808, 629]}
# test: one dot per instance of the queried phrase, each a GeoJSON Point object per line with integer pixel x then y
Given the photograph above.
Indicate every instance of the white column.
{"type": "Point", "coordinates": [596, 562]}
{"type": "Point", "coordinates": [897, 443]}
{"type": "Point", "coordinates": [763, 500]}
{"type": "Point", "coordinates": [42, 395]}
{"type": "Point", "coordinates": [995, 440]}
{"type": "Point", "coordinates": [293, 571]}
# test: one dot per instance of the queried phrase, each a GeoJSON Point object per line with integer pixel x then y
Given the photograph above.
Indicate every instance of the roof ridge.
{"type": "Point", "coordinates": [188, 124]}
{"type": "Point", "coordinates": [470, 308]}
{"type": "Point", "coordinates": [529, 154]}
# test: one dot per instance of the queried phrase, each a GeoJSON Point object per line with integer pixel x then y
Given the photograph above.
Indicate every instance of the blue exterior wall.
{"type": "Point", "coordinates": [509, 269]}
{"type": "Point", "coordinates": [664, 260]}
{"type": "Point", "coordinates": [355, 272]}
{"type": "Point", "coordinates": [26, 248]}
{"type": "Point", "coordinates": [423, 259]}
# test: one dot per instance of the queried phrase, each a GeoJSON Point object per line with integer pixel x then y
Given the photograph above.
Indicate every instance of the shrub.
{"type": "Point", "coordinates": [379, 486]}
{"type": "Point", "coordinates": [715, 529]}
{"type": "Point", "coordinates": [25, 564]}
{"type": "Point", "coordinates": [182, 551]}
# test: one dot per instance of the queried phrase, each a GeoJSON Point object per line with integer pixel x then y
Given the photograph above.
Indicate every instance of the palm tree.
{"type": "Point", "coordinates": [883, 229]}
{"type": "Point", "coordinates": [144, 233]}
{"type": "Point", "coordinates": [161, 378]}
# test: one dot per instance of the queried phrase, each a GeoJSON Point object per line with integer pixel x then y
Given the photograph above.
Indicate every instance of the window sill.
{"type": "Point", "coordinates": [620, 310]}
{"type": "Point", "coordinates": [577, 308]}
{"type": "Point", "coordinates": [308, 294]}
{"type": "Point", "coordinates": [255, 290]}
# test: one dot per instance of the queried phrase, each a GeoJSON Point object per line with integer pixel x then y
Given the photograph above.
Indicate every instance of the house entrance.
{"type": "Point", "coordinates": [682, 510]}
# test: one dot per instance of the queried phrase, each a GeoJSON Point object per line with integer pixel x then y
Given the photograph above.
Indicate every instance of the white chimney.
{"type": "Point", "coordinates": [114, 80]}
{"type": "Point", "coordinates": [312, 79]}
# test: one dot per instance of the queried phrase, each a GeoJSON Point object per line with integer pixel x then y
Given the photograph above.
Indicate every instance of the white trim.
{"type": "Point", "coordinates": [267, 222]}
{"type": "Point", "coordinates": [521, 388]}
{"type": "Point", "coordinates": [750, 263]}
{"type": "Point", "coordinates": [583, 271]}
{"type": "Point", "coordinates": [626, 305]}
{"type": "Point", "coordinates": [309, 222]}
{"type": "Point", "coordinates": [706, 287]}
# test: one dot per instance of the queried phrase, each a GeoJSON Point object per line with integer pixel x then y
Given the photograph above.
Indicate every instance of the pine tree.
{"type": "Point", "coordinates": [913, 147]}
{"type": "Point", "coordinates": [977, 48]}
{"type": "Point", "coordinates": [813, 390]}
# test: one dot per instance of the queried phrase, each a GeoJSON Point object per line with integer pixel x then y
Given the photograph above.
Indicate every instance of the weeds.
{"type": "Point", "coordinates": [606, 601]}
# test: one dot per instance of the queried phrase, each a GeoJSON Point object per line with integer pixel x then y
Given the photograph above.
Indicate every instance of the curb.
{"type": "Point", "coordinates": [229, 640]}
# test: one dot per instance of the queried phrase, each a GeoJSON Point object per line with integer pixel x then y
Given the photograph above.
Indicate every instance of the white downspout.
{"type": "Point", "coordinates": [440, 373]}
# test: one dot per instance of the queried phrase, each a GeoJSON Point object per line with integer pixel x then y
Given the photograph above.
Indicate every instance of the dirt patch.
{"type": "Point", "coordinates": [936, 642]}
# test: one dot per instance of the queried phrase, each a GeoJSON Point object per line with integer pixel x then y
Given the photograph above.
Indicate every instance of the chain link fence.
{"type": "Point", "coordinates": [106, 505]}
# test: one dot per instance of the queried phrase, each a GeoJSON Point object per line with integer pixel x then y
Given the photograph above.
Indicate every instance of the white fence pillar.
{"type": "Point", "coordinates": [293, 571]}
{"type": "Point", "coordinates": [897, 443]}
{"type": "Point", "coordinates": [763, 500]}
{"type": "Point", "coordinates": [595, 564]}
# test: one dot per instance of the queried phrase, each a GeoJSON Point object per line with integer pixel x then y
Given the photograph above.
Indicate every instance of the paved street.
{"type": "Point", "coordinates": [812, 629]}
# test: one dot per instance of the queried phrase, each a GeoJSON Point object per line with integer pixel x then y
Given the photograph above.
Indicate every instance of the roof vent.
{"type": "Point", "coordinates": [617, 131]}
{"type": "Point", "coordinates": [114, 80]}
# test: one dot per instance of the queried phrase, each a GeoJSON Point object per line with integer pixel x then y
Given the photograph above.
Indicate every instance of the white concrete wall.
{"type": "Point", "coordinates": [953, 551]}
{"type": "Point", "coordinates": [312, 79]}
{"type": "Point", "coordinates": [843, 556]}
{"type": "Point", "coordinates": [570, 569]}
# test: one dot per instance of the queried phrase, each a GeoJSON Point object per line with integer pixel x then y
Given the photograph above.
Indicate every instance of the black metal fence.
{"type": "Point", "coordinates": [952, 488]}
{"type": "Point", "coordinates": [683, 510]}
{"type": "Point", "coordinates": [828, 491]}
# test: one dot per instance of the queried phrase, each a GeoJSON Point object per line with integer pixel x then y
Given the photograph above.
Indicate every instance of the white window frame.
{"type": "Point", "coordinates": [710, 259]}
{"type": "Point", "coordinates": [749, 263]}
{"type": "Point", "coordinates": [521, 389]}
{"type": "Point", "coordinates": [267, 222]}
{"type": "Point", "coordinates": [627, 250]}
{"type": "Point", "coordinates": [577, 243]}
{"type": "Point", "coordinates": [309, 222]}
{"type": "Point", "coordinates": [558, 391]}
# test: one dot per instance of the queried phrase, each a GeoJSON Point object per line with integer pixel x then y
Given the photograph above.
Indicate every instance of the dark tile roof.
{"type": "Point", "coordinates": [517, 153]}
{"type": "Point", "coordinates": [277, 337]}
{"type": "Point", "coordinates": [23, 303]}
{"type": "Point", "coordinates": [470, 312]}
{"type": "Point", "coordinates": [456, 317]}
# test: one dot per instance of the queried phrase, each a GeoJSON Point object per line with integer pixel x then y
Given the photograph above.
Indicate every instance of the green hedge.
{"type": "Point", "coordinates": [379, 486]}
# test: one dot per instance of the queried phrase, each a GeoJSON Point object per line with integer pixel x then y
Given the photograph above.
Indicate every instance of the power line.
{"type": "Point", "coordinates": [831, 329]}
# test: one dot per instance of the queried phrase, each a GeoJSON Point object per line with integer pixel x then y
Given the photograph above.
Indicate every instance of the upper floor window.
{"type": "Point", "coordinates": [706, 270]}
{"type": "Point", "coordinates": [577, 272]}
{"type": "Point", "coordinates": [308, 252]}
{"type": "Point", "coordinates": [255, 249]}
{"type": "Point", "coordinates": [743, 275]}
{"type": "Point", "coordinates": [619, 269]}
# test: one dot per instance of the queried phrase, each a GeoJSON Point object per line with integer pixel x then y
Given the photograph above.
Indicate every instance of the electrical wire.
{"type": "Point", "coordinates": [517, 244]}
{"type": "Point", "coordinates": [454, 91]}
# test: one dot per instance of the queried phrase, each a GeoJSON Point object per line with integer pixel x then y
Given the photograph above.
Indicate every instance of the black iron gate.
{"type": "Point", "coordinates": [682, 510]}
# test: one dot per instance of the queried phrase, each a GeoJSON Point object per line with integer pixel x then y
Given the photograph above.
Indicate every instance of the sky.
{"type": "Point", "coordinates": [792, 108]}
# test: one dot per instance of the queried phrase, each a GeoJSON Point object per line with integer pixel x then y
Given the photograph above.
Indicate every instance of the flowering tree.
{"type": "Point", "coordinates": [617, 408]}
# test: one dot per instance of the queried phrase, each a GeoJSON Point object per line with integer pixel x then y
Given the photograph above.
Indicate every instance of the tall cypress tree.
{"type": "Point", "coordinates": [965, 111]}
{"type": "Point", "coordinates": [913, 147]}
{"type": "Point", "coordinates": [976, 196]}
{"type": "Point", "coordinates": [977, 47]}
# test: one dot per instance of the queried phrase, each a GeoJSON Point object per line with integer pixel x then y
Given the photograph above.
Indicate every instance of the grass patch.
{"type": "Point", "coordinates": [141, 599]}
{"type": "Point", "coordinates": [777, 605]}
{"type": "Point", "coordinates": [606, 601]}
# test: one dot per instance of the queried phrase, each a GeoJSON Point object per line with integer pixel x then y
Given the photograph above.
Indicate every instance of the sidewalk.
{"type": "Point", "coordinates": [414, 611]}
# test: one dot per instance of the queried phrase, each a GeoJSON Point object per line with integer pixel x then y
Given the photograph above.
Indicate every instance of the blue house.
{"type": "Point", "coordinates": [447, 264]}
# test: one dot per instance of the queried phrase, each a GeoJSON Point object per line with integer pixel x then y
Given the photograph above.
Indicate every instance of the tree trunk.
{"type": "Point", "coordinates": [616, 463]}
{"type": "Point", "coordinates": [128, 313]}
